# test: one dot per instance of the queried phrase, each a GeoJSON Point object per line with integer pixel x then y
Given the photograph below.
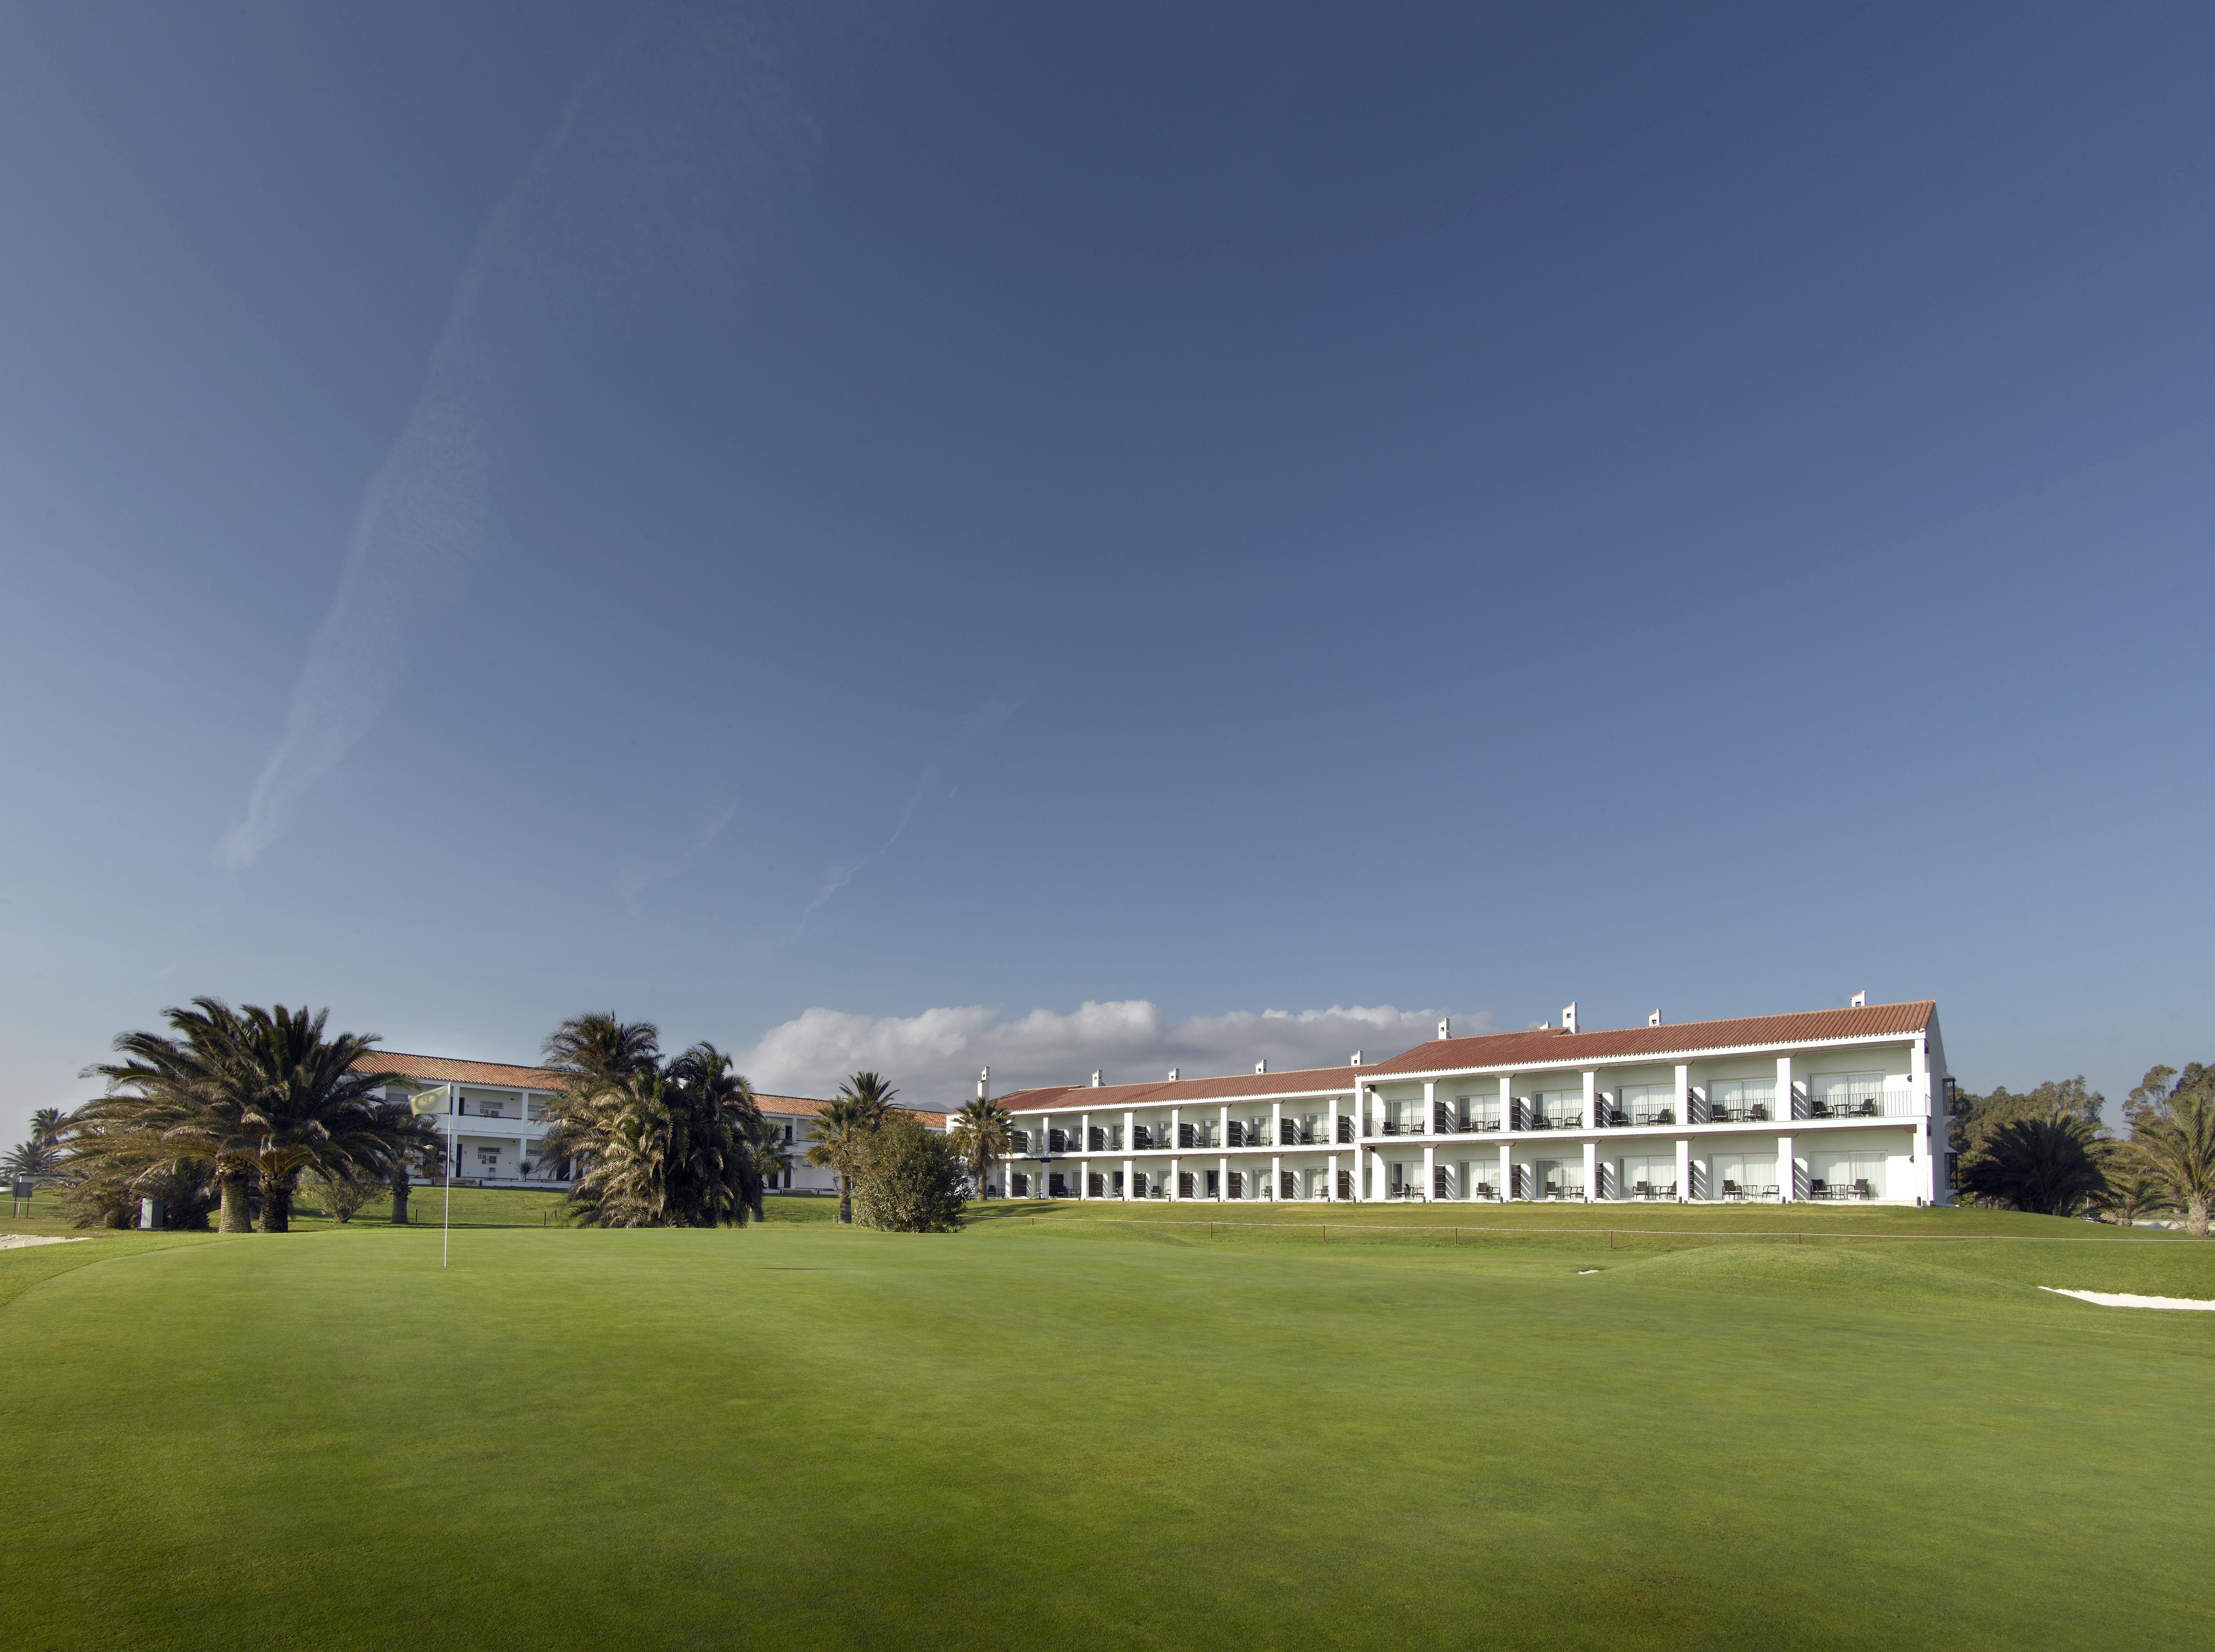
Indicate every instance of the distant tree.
{"type": "Point", "coordinates": [46, 1123]}
{"type": "Point", "coordinates": [909, 1179]}
{"type": "Point", "coordinates": [1973, 1117]}
{"type": "Point", "coordinates": [341, 1194]}
{"type": "Point", "coordinates": [595, 1052]}
{"type": "Point", "coordinates": [2051, 1164]}
{"type": "Point", "coordinates": [37, 1160]}
{"type": "Point", "coordinates": [981, 1132]}
{"type": "Point", "coordinates": [871, 1092]}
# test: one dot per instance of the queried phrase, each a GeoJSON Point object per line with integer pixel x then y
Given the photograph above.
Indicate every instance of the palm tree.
{"type": "Point", "coordinates": [771, 1158]}
{"type": "Point", "coordinates": [871, 1092]}
{"type": "Point", "coordinates": [2049, 1165]}
{"type": "Point", "coordinates": [655, 1147]}
{"type": "Point", "coordinates": [255, 1093]}
{"type": "Point", "coordinates": [2131, 1195]}
{"type": "Point", "coordinates": [37, 1160]}
{"type": "Point", "coordinates": [2175, 1145]}
{"type": "Point", "coordinates": [597, 1050]}
{"type": "Point", "coordinates": [46, 1123]}
{"type": "Point", "coordinates": [983, 1130]}
{"type": "Point", "coordinates": [843, 1130]}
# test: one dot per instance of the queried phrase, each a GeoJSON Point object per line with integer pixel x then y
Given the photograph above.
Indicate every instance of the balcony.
{"type": "Point", "coordinates": [1733, 1191]}
{"type": "Point", "coordinates": [1840, 1190]}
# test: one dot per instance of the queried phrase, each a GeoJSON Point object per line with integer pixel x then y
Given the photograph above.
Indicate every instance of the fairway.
{"type": "Point", "coordinates": [1080, 1432]}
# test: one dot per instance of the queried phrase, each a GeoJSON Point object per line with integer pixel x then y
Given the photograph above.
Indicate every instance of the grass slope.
{"type": "Point", "coordinates": [1085, 1434]}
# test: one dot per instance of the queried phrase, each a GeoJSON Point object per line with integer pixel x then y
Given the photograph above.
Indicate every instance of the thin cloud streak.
{"type": "Point", "coordinates": [935, 1056]}
{"type": "Point", "coordinates": [639, 874]}
{"type": "Point", "coordinates": [1003, 704]}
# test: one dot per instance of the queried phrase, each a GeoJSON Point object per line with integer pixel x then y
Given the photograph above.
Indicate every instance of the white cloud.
{"type": "Point", "coordinates": [933, 1057]}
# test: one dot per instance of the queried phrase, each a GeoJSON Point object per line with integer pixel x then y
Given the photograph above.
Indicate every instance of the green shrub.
{"type": "Point", "coordinates": [909, 1179]}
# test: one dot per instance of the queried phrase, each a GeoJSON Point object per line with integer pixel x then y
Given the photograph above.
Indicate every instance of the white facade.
{"type": "Point", "coordinates": [494, 1117]}
{"type": "Point", "coordinates": [1845, 1105]}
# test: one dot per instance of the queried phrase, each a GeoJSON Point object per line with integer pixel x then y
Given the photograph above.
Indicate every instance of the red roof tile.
{"type": "Point", "coordinates": [1549, 1046]}
{"type": "Point", "coordinates": [1493, 1049]}
{"type": "Point", "coordinates": [439, 1069]}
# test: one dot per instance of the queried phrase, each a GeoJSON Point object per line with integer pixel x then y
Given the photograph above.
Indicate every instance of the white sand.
{"type": "Point", "coordinates": [2109, 1299]}
{"type": "Point", "coordinates": [20, 1241]}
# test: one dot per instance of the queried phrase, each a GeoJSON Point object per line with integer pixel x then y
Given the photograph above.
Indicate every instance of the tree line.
{"type": "Point", "coordinates": [229, 1113]}
{"type": "Point", "coordinates": [2048, 1149]}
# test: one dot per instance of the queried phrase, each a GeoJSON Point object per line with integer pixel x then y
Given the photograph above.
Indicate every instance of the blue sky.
{"type": "Point", "coordinates": [913, 535]}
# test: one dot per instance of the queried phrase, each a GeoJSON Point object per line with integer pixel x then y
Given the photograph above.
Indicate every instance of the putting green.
{"type": "Point", "coordinates": [1088, 1433]}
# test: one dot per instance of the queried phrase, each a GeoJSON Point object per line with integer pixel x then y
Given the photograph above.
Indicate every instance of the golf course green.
{"type": "Point", "coordinates": [1706, 1429]}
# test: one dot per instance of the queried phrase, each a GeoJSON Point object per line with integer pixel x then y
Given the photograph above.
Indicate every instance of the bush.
{"type": "Point", "coordinates": [909, 1180]}
{"type": "Point", "coordinates": [341, 1196]}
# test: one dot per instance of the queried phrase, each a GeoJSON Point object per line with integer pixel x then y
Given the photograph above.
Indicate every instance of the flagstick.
{"type": "Point", "coordinates": [447, 1226]}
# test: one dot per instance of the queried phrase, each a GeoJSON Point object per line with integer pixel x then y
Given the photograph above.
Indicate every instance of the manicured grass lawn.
{"type": "Point", "coordinates": [1089, 1433]}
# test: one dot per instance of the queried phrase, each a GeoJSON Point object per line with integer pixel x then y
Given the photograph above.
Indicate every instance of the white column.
{"type": "Point", "coordinates": [1360, 1139]}
{"type": "Point", "coordinates": [1130, 1187]}
{"type": "Point", "coordinates": [1331, 1125]}
{"type": "Point", "coordinates": [1684, 1166]}
{"type": "Point", "coordinates": [1129, 1137]}
{"type": "Point", "coordinates": [1430, 1115]}
{"type": "Point", "coordinates": [1084, 1133]}
{"type": "Point", "coordinates": [1330, 1185]}
{"type": "Point", "coordinates": [1176, 1128]}
{"type": "Point", "coordinates": [1684, 1102]}
{"type": "Point", "coordinates": [1592, 1164]}
{"type": "Point", "coordinates": [1785, 1110]}
{"type": "Point", "coordinates": [1506, 1167]}
{"type": "Point", "coordinates": [1223, 1177]}
{"type": "Point", "coordinates": [1276, 1174]}
{"type": "Point", "coordinates": [1591, 1117]}
{"type": "Point", "coordinates": [1506, 1101]}
{"type": "Point", "coordinates": [1223, 1135]}
{"type": "Point", "coordinates": [1430, 1167]}
{"type": "Point", "coordinates": [1276, 1131]}
{"type": "Point", "coordinates": [1788, 1181]}
{"type": "Point", "coordinates": [1176, 1181]}
{"type": "Point", "coordinates": [1084, 1179]}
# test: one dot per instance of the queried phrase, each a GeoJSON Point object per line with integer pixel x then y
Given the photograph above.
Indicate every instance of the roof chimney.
{"type": "Point", "coordinates": [1654, 1017]}
{"type": "Point", "coordinates": [983, 1079]}
{"type": "Point", "coordinates": [1446, 1026]}
{"type": "Point", "coordinates": [1173, 1075]}
{"type": "Point", "coordinates": [1096, 1078]}
{"type": "Point", "coordinates": [1261, 1066]}
{"type": "Point", "coordinates": [1357, 1058]}
{"type": "Point", "coordinates": [1860, 1000]}
{"type": "Point", "coordinates": [1568, 1018]}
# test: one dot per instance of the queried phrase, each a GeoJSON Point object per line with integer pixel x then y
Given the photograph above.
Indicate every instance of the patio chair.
{"type": "Point", "coordinates": [1769, 1193]}
{"type": "Point", "coordinates": [1733, 1190]}
{"type": "Point", "coordinates": [1863, 1190]}
{"type": "Point", "coordinates": [1818, 1190]}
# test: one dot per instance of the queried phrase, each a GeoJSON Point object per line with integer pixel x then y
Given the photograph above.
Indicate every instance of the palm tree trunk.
{"type": "Point", "coordinates": [233, 1218]}
{"type": "Point", "coordinates": [276, 1205]}
{"type": "Point", "coordinates": [845, 1199]}
{"type": "Point", "coordinates": [400, 1199]}
{"type": "Point", "coordinates": [2195, 1217]}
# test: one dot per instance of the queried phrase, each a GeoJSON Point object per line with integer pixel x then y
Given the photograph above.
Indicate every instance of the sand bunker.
{"type": "Point", "coordinates": [2111, 1299]}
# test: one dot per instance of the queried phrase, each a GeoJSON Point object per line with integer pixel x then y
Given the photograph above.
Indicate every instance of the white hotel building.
{"type": "Point", "coordinates": [495, 1119]}
{"type": "Point", "coordinates": [1829, 1104]}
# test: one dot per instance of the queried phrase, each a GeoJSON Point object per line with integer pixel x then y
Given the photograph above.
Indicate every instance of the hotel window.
{"type": "Point", "coordinates": [1845, 1175]}
{"type": "Point", "coordinates": [1564, 1109]}
{"type": "Point", "coordinates": [1649, 1103]}
{"type": "Point", "coordinates": [1482, 1112]}
{"type": "Point", "coordinates": [1659, 1174]}
{"type": "Point", "coordinates": [1406, 1118]}
{"type": "Point", "coordinates": [1745, 1174]}
{"type": "Point", "coordinates": [1847, 1095]}
{"type": "Point", "coordinates": [1741, 1100]}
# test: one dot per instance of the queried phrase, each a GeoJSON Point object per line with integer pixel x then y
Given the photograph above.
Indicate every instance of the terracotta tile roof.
{"type": "Point", "coordinates": [1493, 1049]}
{"type": "Point", "coordinates": [1545, 1047]}
{"type": "Point", "coordinates": [1232, 1087]}
{"type": "Point", "coordinates": [439, 1069]}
